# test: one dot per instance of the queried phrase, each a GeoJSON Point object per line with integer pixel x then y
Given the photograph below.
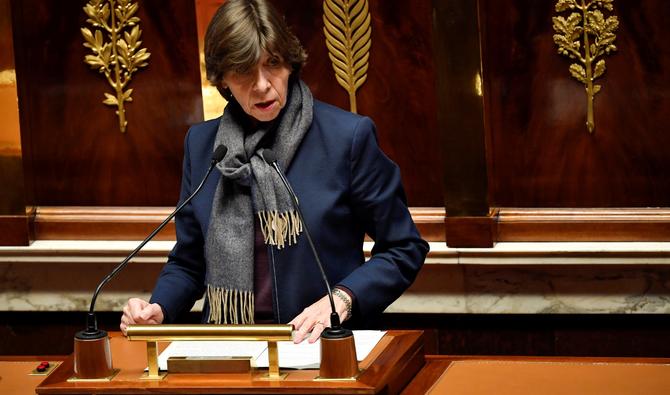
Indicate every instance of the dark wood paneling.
{"type": "Point", "coordinates": [461, 124]}
{"type": "Point", "coordinates": [79, 156]}
{"type": "Point", "coordinates": [14, 224]}
{"type": "Point", "coordinates": [596, 335]}
{"type": "Point", "coordinates": [541, 154]}
{"type": "Point", "coordinates": [6, 37]}
{"type": "Point", "coordinates": [460, 109]}
{"type": "Point", "coordinates": [463, 231]}
{"type": "Point", "coordinates": [399, 94]}
{"type": "Point", "coordinates": [15, 230]}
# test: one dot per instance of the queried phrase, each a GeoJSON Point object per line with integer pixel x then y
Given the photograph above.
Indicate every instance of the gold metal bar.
{"type": "Point", "coordinates": [201, 332]}
{"type": "Point", "coordinates": [152, 360]}
{"type": "Point", "coordinates": [273, 360]}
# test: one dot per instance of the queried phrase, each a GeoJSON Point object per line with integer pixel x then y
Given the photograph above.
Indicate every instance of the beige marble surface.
{"type": "Point", "coordinates": [517, 278]}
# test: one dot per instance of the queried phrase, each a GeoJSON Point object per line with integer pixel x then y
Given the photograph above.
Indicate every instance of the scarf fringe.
{"type": "Point", "coordinates": [280, 229]}
{"type": "Point", "coordinates": [230, 306]}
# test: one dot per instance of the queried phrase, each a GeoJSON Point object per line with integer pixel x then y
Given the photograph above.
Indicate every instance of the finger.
{"type": "Point", "coordinates": [135, 312]}
{"type": "Point", "coordinates": [299, 320]}
{"type": "Point", "coordinates": [304, 330]}
{"type": "Point", "coordinates": [316, 332]}
{"type": "Point", "coordinates": [148, 314]}
{"type": "Point", "coordinates": [128, 320]}
{"type": "Point", "coordinates": [124, 329]}
{"type": "Point", "coordinates": [301, 327]}
{"type": "Point", "coordinates": [300, 334]}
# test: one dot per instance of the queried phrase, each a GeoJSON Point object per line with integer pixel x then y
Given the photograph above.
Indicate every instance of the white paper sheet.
{"type": "Point", "coordinates": [293, 356]}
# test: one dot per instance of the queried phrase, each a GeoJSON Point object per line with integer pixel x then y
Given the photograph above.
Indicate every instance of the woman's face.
{"type": "Point", "coordinates": [261, 91]}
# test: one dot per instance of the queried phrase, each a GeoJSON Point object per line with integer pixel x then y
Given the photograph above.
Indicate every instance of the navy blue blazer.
{"type": "Point", "coordinates": [346, 186]}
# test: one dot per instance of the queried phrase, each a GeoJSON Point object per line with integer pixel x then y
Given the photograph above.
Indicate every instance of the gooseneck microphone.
{"type": "Point", "coordinates": [92, 332]}
{"type": "Point", "coordinates": [336, 330]}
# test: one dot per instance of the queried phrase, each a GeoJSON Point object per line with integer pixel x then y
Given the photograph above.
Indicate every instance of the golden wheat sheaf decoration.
{"type": "Point", "coordinates": [348, 39]}
{"type": "Point", "coordinates": [586, 35]}
{"type": "Point", "coordinates": [115, 44]}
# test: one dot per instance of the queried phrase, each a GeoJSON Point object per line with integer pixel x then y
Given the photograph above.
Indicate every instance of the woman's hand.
{"type": "Point", "coordinates": [315, 318]}
{"type": "Point", "coordinates": [138, 311]}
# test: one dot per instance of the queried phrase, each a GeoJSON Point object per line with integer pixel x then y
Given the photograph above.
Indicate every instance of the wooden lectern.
{"type": "Point", "coordinates": [509, 375]}
{"type": "Point", "coordinates": [392, 364]}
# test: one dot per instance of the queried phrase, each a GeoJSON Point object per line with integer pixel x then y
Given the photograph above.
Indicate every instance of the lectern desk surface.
{"type": "Point", "coordinates": [18, 375]}
{"type": "Point", "coordinates": [467, 375]}
{"type": "Point", "coordinates": [389, 367]}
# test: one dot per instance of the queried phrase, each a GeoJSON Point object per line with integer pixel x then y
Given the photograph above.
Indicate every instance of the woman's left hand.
{"type": "Point", "coordinates": [315, 318]}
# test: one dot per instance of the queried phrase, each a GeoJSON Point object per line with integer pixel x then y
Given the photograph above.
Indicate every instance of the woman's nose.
{"type": "Point", "coordinates": [261, 82]}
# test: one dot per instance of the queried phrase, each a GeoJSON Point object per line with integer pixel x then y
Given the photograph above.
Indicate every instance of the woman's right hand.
{"type": "Point", "coordinates": [138, 311]}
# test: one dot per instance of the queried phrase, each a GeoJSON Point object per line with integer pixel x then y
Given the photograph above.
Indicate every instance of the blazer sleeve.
{"type": "Point", "coordinates": [181, 282]}
{"type": "Point", "coordinates": [379, 203]}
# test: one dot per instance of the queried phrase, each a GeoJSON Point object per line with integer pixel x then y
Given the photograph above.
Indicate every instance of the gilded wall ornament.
{"type": "Point", "coordinates": [586, 35]}
{"type": "Point", "coordinates": [348, 39]}
{"type": "Point", "coordinates": [115, 44]}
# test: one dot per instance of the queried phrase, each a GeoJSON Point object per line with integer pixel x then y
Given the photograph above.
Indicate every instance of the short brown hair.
{"type": "Point", "coordinates": [238, 34]}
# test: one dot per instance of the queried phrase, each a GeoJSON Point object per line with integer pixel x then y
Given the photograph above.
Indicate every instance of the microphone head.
{"type": "Point", "coordinates": [219, 153]}
{"type": "Point", "coordinates": [269, 156]}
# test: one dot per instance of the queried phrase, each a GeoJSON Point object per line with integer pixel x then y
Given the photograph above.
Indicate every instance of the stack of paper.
{"type": "Point", "coordinates": [291, 355]}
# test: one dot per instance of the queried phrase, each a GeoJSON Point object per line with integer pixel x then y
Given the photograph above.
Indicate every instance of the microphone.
{"type": "Point", "coordinates": [338, 353]}
{"type": "Point", "coordinates": [84, 339]}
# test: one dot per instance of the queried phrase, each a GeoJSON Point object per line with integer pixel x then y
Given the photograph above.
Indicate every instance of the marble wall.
{"type": "Point", "coordinates": [512, 278]}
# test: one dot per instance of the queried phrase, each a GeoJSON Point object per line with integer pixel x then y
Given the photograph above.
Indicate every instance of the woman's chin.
{"type": "Point", "coordinates": [265, 115]}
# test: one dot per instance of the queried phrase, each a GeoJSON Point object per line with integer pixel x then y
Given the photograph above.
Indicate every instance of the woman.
{"type": "Point", "coordinates": [239, 241]}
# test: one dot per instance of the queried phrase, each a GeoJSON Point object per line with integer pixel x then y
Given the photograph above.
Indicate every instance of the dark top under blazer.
{"type": "Point", "coordinates": [346, 186]}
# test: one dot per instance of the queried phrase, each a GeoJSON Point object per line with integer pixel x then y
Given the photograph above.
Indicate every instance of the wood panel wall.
{"type": "Point", "coordinates": [470, 98]}
{"type": "Point", "coordinates": [540, 152]}
{"type": "Point", "coordinates": [78, 156]}
{"type": "Point", "coordinates": [399, 94]}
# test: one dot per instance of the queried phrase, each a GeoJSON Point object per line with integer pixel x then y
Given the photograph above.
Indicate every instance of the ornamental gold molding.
{"type": "Point", "coordinates": [348, 39]}
{"type": "Point", "coordinates": [586, 36]}
{"type": "Point", "coordinates": [121, 56]}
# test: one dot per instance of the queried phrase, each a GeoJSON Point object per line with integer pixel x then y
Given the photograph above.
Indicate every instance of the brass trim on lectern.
{"type": "Point", "coordinates": [75, 379]}
{"type": "Point", "coordinates": [152, 334]}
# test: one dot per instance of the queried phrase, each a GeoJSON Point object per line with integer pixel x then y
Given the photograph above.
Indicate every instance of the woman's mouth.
{"type": "Point", "coordinates": [266, 105]}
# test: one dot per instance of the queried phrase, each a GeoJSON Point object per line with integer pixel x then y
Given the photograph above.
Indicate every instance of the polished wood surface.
{"type": "Point", "coordinates": [389, 367]}
{"type": "Point", "coordinates": [590, 224]}
{"type": "Point", "coordinates": [338, 358]}
{"type": "Point", "coordinates": [460, 110]}
{"type": "Point", "coordinates": [135, 223]}
{"type": "Point", "coordinates": [14, 228]}
{"type": "Point", "coordinates": [16, 373]}
{"type": "Point", "coordinates": [467, 231]}
{"type": "Point", "coordinates": [541, 154]}
{"type": "Point", "coordinates": [459, 375]}
{"type": "Point", "coordinates": [78, 156]}
{"type": "Point", "coordinates": [101, 223]}
{"type": "Point", "coordinates": [92, 358]}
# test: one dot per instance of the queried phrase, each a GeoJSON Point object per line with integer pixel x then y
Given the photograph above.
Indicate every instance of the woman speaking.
{"type": "Point", "coordinates": [240, 242]}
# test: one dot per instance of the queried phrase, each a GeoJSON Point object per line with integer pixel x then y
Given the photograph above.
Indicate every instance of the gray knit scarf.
{"type": "Point", "coordinates": [249, 185]}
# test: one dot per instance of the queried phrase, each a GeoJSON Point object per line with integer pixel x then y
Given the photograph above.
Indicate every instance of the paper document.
{"type": "Point", "coordinates": [294, 356]}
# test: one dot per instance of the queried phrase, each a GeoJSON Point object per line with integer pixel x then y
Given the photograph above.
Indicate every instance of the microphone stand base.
{"type": "Point", "coordinates": [338, 357]}
{"type": "Point", "coordinates": [92, 356]}
{"type": "Point", "coordinates": [75, 379]}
